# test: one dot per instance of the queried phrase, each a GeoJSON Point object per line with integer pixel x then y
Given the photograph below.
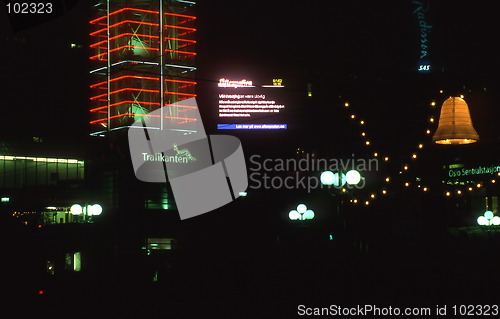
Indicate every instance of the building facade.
{"type": "Point", "coordinates": [143, 58]}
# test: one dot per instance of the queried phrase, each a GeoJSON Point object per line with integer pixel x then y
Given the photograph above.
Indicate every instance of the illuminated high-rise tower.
{"type": "Point", "coordinates": [143, 58]}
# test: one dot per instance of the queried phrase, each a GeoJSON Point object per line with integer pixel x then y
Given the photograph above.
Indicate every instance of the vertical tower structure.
{"type": "Point", "coordinates": [143, 59]}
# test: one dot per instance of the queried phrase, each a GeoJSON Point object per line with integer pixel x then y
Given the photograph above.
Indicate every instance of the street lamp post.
{"type": "Point", "coordinates": [488, 219]}
{"type": "Point", "coordinates": [88, 210]}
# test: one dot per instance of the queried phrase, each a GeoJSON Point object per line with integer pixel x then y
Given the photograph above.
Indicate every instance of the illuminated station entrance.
{"type": "Point", "coordinates": [143, 58]}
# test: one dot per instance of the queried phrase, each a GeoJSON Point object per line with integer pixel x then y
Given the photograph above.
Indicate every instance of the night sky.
{"type": "Point", "coordinates": [356, 49]}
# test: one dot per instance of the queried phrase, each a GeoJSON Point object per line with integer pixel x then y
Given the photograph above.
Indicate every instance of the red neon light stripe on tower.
{"type": "Point", "coordinates": [145, 11]}
{"type": "Point", "coordinates": [125, 89]}
{"type": "Point", "coordinates": [126, 77]}
{"type": "Point", "coordinates": [146, 115]}
{"type": "Point", "coordinates": [126, 35]}
{"type": "Point", "coordinates": [124, 47]}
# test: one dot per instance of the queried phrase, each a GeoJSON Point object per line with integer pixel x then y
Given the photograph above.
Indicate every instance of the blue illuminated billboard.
{"type": "Point", "coordinates": [246, 105]}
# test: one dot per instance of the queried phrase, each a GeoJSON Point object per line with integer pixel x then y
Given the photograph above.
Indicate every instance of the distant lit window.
{"type": "Point", "coordinates": [160, 243]}
{"type": "Point", "coordinates": [50, 267]}
{"type": "Point", "coordinates": [73, 261]}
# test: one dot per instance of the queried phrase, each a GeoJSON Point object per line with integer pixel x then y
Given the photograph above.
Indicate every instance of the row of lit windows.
{"type": "Point", "coordinates": [41, 159]}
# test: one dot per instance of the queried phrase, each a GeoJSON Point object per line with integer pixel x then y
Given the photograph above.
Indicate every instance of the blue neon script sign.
{"type": "Point", "coordinates": [424, 29]}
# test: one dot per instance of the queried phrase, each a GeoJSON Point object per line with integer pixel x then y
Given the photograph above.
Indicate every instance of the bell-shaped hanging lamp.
{"type": "Point", "coordinates": [455, 124]}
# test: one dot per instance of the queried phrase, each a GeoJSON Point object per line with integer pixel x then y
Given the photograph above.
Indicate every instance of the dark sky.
{"type": "Point", "coordinates": [365, 50]}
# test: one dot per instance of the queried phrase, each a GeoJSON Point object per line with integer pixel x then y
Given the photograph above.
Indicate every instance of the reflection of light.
{"type": "Point", "coordinates": [94, 210]}
{"type": "Point", "coordinates": [301, 208]}
{"type": "Point", "coordinates": [293, 215]}
{"type": "Point", "coordinates": [495, 221]}
{"type": "Point", "coordinates": [353, 177]}
{"type": "Point", "coordinates": [327, 178]}
{"type": "Point", "coordinates": [481, 220]}
{"type": "Point", "coordinates": [488, 214]}
{"type": "Point", "coordinates": [76, 209]}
